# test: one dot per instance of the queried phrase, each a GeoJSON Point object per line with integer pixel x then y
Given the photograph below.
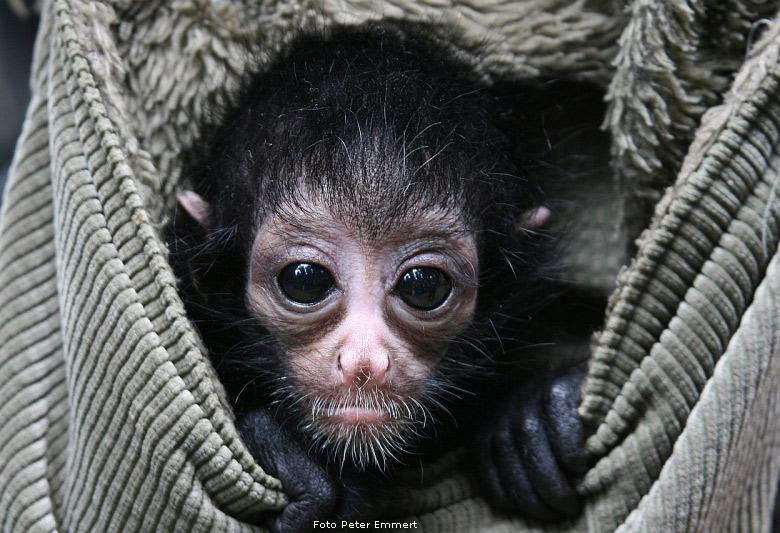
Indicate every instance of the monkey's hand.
{"type": "Point", "coordinates": [312, 496]}
{"type": "Point", "coordinates": [526, 455]}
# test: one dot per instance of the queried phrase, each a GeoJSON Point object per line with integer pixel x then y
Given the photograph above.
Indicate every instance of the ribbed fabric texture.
{"type": "Point", "coordinates": [111, 418]}
{"type": "Point", "coordinates": [679, 309]}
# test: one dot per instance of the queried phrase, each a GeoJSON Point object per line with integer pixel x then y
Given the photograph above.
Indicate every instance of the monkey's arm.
{"type": "Point", "coordinates": [312, 496]}
{"type": "Point", "coordinates": [528, 452]}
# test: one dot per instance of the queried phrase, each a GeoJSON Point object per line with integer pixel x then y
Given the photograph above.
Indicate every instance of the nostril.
{"type": "Point", "coordinates": [343, 365]}
{"type": "Point", "coordinates": [363, 377]}
{"type": "Point", "coordinates": [380, 368]}
{"type": "Point", "coordinates": [360, 369]}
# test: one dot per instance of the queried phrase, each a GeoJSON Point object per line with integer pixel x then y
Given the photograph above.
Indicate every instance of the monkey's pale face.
{"type": "Point", "coordinates": [363, 324]}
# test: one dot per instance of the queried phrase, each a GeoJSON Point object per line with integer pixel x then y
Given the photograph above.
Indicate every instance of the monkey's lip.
{"type": "Point", "coordinates": [359, 416]}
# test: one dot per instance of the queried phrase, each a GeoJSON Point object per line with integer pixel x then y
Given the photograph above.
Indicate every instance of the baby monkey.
{"type": "Point", "coordinates": [360, 251]}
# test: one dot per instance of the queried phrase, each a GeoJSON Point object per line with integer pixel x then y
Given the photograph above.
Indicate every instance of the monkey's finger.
{"type": "Point", "coordinates": [565, 427]}
{"type": "Point", "coordinates": [503, 473]}
{"type": "Point", "coordinates": [311, 497]}
{"type": "Point", "coordinates": [299, 515]}
{"type": "Point", "coordinates": [544, 472]}
{"type": "Point", "coordinates": [310, 492]}
{"type": "Point", "coordinates": [487, 469]}
{"type": "Point", "coordinates": [514, 477]}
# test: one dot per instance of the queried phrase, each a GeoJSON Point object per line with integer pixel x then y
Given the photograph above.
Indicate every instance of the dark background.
{"type": "Point", "coordinates": [16, 43]}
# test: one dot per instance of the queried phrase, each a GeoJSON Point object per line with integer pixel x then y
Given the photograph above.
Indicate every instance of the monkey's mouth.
{"type": "Point", "coordinates": [348, 414]}
{"type": "Point", "coordinates": [369, 428]}
{"type": "Point", "coordinates": [358, 416]}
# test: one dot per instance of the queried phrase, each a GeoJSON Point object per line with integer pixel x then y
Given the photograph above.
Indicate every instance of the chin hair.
{"type": "Point", "coordinates": [367, 446]}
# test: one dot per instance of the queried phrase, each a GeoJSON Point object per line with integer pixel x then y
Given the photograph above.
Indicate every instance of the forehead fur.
{"type": "Point", "coordinates": [367, 184]}
{"type": "Point", "coordinates": [310, 216]}
{"type": "Point", "coordinates": [366, 116]}
{"type": "Point", "coordinates": [376, 125]}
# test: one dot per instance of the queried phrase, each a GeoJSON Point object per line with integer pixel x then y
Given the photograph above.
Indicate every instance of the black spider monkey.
{"type": "Point", "coordinates": [364, 251]}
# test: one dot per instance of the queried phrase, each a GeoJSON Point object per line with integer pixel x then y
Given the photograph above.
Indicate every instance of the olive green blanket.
{"type": "Point", "coordinates": [111, 418]}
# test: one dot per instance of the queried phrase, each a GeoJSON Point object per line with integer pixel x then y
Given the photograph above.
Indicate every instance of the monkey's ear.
{"type": "Point", "coordinates": [533, 218]}
{"type": "Point", "coordinates": [195, 206]}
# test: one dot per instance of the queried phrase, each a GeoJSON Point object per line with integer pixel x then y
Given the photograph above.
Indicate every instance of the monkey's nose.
{"type": "Point", "coordinates": [360, 369]}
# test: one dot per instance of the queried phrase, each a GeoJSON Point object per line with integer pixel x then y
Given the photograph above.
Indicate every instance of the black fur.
{"type": "Point", "coordinates": [380, 124]}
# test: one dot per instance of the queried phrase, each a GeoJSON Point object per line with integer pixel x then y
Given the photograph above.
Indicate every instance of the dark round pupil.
{"type": "Point", "coordinates": [305, 283]}
{"type": "Point", "coordinates": [424, 288]}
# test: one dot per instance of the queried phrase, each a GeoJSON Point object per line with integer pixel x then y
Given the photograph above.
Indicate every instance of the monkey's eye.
{"type": "Point", "coordinates": [305, 283]}
{"type": "Point", "coordinates": [424, 288]}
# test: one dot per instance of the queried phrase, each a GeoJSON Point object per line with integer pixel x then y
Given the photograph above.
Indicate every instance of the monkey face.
{"type": "Point", "coordinates": [362, 322]}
